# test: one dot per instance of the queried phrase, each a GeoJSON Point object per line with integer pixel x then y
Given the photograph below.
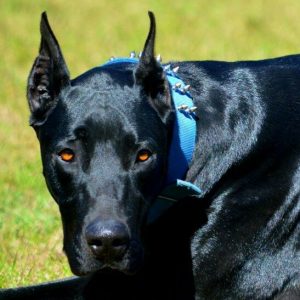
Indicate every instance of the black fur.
{"type": "Point", "coordinates": [239, 241]}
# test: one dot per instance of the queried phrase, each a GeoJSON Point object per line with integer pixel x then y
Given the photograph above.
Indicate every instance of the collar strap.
{"type": "Point", "coordinates": [184, 130]}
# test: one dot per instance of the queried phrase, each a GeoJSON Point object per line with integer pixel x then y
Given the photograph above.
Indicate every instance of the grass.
{"type": "Point", "coordinates": [89, 33]}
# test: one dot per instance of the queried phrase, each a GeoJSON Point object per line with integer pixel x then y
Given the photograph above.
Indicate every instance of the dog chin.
{"type": "Point", "coordinates": [105, 269]}
{"type": "Point", "coordinates": [128, 267]}
{"type": "Point", "coordinates": [83, 263]}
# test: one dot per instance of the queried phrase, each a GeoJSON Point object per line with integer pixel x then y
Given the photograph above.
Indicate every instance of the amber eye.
{"type": "Point", "coordinates": [66, 155]}
{"type": "Point", "coordinates": [143, 155]}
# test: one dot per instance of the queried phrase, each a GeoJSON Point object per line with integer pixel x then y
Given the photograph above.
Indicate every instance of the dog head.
{"type": "Point", "coordinates": [104, 140]}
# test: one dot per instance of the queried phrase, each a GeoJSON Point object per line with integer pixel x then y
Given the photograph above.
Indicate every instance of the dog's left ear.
{"type": "Point", "coordinates": [48, 76]}
{"type": "Point", "coordinates": [150, 75]}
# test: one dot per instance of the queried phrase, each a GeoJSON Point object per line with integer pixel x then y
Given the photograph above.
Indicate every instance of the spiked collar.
{"type": "Point", "coordinates": [182, 144]}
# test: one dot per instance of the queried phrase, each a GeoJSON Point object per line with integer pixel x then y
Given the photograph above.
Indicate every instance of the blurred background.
{"type": "Point", "coordinates": [89, 33]}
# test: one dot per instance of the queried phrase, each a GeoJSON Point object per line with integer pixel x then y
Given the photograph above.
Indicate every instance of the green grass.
{"type": "Point", "coordinates": [89, 33]}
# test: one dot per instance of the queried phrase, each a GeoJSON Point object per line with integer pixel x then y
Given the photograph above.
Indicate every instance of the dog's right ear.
{"type": "Point", "coordinates": [48, 76]}
{"type": "Point", "coordinates": [151, 77]}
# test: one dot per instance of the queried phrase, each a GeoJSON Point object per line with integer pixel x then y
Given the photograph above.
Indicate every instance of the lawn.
{"type": "Point", "coordinates": [89, 33]}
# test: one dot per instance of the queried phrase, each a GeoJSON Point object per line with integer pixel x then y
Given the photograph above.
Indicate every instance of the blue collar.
{"type": "Point", "coordinates": [182, 144]}
{"type": "Point", "coordinates": [184, 130]}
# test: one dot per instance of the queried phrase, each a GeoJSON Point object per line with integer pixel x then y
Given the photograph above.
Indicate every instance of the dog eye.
{"type": "Point", "coordinates": [143, 155]}
{"type": "Point", "coordinates": [67, 155]}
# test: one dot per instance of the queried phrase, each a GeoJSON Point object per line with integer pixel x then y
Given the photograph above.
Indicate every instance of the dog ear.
{"type": "Point", "coordinates": [48, 76]}
{"type": "Point", "coordinates": [150, 75]}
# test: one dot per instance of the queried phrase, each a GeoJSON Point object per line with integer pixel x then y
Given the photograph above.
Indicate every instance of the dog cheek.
{"type": "Point", "coordinates": [150, 184]}
{"type": "Point", "coordinates": [67, 183]}
{"type": "Point", "coordinates": [80, 261]}
{"type": "Point", "coordinates": [61, 183]}
{"type": "Point", "coordinates": [75, 247]}
{"type": "Point", "coordinates": [135, 259]}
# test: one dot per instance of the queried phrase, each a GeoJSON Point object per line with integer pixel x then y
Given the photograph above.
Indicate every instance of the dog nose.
{"type": "Point", "coordinates": [108, 240]}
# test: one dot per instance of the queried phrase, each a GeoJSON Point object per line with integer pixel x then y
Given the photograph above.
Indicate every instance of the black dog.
{"type": "Point", "coordinates": [106, 140]}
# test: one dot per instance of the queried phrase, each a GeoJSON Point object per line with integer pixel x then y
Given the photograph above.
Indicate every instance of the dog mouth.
{"type": "Point", "coordinates": [128, 263]}
{"type": "Point", "coordinates": [112, 267]}
{"type": "Point", "coordinates": [88, 262]}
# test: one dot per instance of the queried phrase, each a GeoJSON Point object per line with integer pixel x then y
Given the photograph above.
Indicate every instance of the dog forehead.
{"type": "Point", "coordinates": [99, 110]}
{"type": "Point", "coordinates": [108, 77]}
{"type": "Point", "coordinates": [82, 100]}
{"type": "Point", "coordinates": [107, 103]}
{"type": "Point", "coordinates": [99, 86]}
{"type": "Point", "coordinates": [103, 102]}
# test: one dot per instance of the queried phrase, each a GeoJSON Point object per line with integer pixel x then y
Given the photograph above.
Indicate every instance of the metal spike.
{"type": "Point", "coordinates": [182, 107]}
{"type": "Point", "coordinates": [132, 54]}
{"type": "Point", "coordinates": [186, 87]}
{"type": "Point", "coordinates": [192, 109]}
{"type": "Point", "coordinates": [175, 70]}
{"type": "Point", "coordinates": [167, 67]}
{"type": "Point", "coordinates": [112, 58]}
{"type": "Point", "coordinates": [158, 58]}
{"type": "Point", "coordinates": [177, 86]}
